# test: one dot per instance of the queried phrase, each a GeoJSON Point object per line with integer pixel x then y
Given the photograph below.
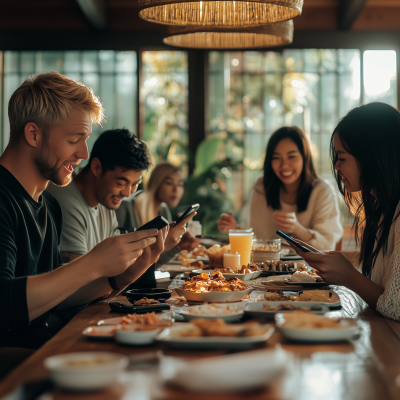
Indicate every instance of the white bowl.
{"type": "Point", "coordinates": [101, 369]}
{"type": "Point", "coordinates": [136, 338]}
{"type": "Point", "coordinates": [230, 372]}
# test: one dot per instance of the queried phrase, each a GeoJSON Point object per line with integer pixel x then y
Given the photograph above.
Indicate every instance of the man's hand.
{"type": "Point", "coordinates": [226, 222]}
{"type": "Point", "coordinates": [176, 232]}
{"type": "Point", "coordinates": [188, 242]}
{"type": "Point", "coordinates": [149, 257]}
{"type": "Point", "coordinates": [115, 254]}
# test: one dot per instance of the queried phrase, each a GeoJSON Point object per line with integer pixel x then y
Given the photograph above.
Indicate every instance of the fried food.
{"type": "Point", "coordinates": [215, 283]}
{"type": "Point", "coordinates": [218, 328]}
{"type": "Point", "coordinates": [142, 322]}
{"type": "Point", "coordinates": [213, 310]}
{"type": "Point", "coordinates": [311, 321]}
{"type": "Point", "coordinates": [197, 264]}
{"type": "Point", "coordinates": [279, 266]}
{"type": "Point", "coordinates": [284, 307]}
{"type": "Point", "coordinates": [145, 301]}
{"type": "Point", "coordinates": [224, 270]}
{"type": "Point", "coordinates": [275, 296]}
{"type": "Point", "coordinates": [315, 295]}
{"type": "Point", "coordinates": [199, 251]}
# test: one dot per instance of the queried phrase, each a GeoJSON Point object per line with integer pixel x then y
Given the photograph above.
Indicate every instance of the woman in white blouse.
{"type": "Point", "coordinates": [290, 196]}
{"type": "Point", "coordinates": [365, 154]}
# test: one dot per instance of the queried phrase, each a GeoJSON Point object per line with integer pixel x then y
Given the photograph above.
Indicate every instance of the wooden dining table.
{"type": "Point", "coordinates": [366, 368]}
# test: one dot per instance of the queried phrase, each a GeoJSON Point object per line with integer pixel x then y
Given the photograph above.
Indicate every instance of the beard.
{"type": "Point", "coordinates": [47, 166]}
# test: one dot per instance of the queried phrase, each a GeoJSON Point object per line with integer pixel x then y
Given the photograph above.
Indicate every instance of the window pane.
{"type": "Point", "coordinates": [72, 61]}
{"type": "Point", "coordinates": [164, 92]}
{"type": "Point", "coordinates": [107, 58]}
{"type": "Point", "coordinates": [89, 61]}
{"type": "Point", "coordinates": [27, 62]}
{"type": "Point", "coordinates": [380, 76]}
{"type": "Point", "coordinates": [48, 61]}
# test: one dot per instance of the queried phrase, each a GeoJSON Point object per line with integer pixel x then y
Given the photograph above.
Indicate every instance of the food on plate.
{"type": "Point", "coordinates": [244, 270]}
{"type": "Point", "coordinates": [302, 277]}
{"type": "Point", "coordinates": [254, 267]}
{"type": "Point", "coordinates": [279, 266]}
{"type": "Point", "coordinates": [224, 270]}
{"type": "Point", "coordinates": [217, 327]}
{"type": "Point", "coordinates": [87, 363]}
{"type": "Point", "coordinates": [311, 321]}
{"type": "Point", "coordinates": [184, 254]}
{"type": "Point", "coordinates": [215, 283]}
{"type": "Point", "coordinates": [143, 322]}
{"type": "Point", "coordinates": [145, 301]}
{"type": "Point", "coordinates": [199, 251]}
{"type": "Point", "coordinates": [195, 264]}
{"type": "Point", "coordinates": [216, 255]}
{"type": "Point", "coordinates": [300, 267]}
{"type": "Point", "coordinates": [275, 296]}
{"type": "Point", "coordinates": [285, 307]}
{"type": "Point", "coordinates": [315, 295]}
{"type": "Point", "coordinates": [211, 310]}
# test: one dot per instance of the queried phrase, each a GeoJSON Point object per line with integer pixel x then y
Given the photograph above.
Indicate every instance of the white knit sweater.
{"type": "Point", "coordinates": [386, 273]}
{"type": "Point", "coordinates": [321, 218]}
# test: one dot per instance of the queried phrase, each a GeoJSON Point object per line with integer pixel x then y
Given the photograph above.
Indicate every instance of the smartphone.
{"type": "Point", "coordinates": [190, 210]}
{"type": "Point", "coordinates": [290, 240]}
{"type": "Point", "coordinates": [156, 223]}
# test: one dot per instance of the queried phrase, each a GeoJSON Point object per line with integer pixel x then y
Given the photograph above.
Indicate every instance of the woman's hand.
{"type": "Point", "coordinates": [226, 222]}
{"type": "Point", "coordinates": [333, 267]}
{"type": "Point", "coordinates": [188, 242]}
{"type": "Point", "coordinates": [286, 222]}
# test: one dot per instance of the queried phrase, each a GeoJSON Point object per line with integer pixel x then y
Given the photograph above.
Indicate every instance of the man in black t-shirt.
{"type": "Point", "coordinates": [51, 118]}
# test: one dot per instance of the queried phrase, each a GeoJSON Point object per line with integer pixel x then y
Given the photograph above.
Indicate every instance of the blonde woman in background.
{"type": "Point", "coordinates": [163, 191]}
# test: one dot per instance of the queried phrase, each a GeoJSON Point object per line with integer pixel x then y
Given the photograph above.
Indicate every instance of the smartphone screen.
{"type": "Point", "coordinates": [156, 223]}
{"type": "Point", "coordinates": [189, 211]}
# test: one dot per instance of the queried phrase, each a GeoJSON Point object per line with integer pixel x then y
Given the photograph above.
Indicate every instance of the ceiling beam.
{"type": "Point", "coordinates": [95, 12]}
{"type": "Point", "coordinates": [348, 13]}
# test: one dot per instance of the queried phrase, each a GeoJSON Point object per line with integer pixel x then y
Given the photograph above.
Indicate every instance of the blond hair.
{"type": "Point", "coordinates": [46, 99]}
{"type": "Point", "coordinates": [145, 204]}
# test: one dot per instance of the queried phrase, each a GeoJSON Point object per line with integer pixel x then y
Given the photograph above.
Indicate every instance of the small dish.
{"type": "Point", "coordinates": [136, 338]}
{"type": "Point", "coordinates": [86, 371]}
{"type": "Point", "coordinates": [348, 330]}
{"type": "Point", "coordinates": [188, 315]}
{"type": "Point", "coordinates": [100, 332]}
{"type": "Point", "coordinates": [257, 309]}
{"type": "Point", "coordinates": [134, 295]}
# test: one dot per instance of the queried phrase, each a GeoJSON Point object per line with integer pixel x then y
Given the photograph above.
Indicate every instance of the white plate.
{"type": "Point", "coordinates": [212, 342]}
{"type": "Point", "coordinates": [110, 321]}
{"type": "Point", "coordinates": [100, 332]}
{"type": "Point", "coordinates": [214, 297]}
{"type": "Point", "coordinates": [175, 269]}
{"type": "Point", "coordinates": [223, 373]}
{"type": "Point", "coordinates": [323, 335]}
{"type": "Point", "coordinates": [86, 377]}
{"type": "Point", "coordinates": [257, 309]}
{"type": "Point", "coordinates": [243, 277]}
{"type": "Point", "coordinates": [136, 338]}
{"type": "Point", "coordinates": [185, 312]}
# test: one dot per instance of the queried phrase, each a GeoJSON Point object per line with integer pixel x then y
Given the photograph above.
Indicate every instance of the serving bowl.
{"type": "Point", "coordinates": [86, 371]}
{"type": "Point", "coordinates": [134, 295]}
{"type": "Point", "coordinates": [135, 337]}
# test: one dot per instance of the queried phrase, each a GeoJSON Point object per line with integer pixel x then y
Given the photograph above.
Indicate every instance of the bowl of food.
{"type": "Point", "coordinates": [226, 312]}
{"type": "Point", "coordinates": [86, 371]}
{"type": "Point", "coordinates": [216, 255]}
{"type": "Point", "coordinates": [214, 288]}
{"type": "Point", "coordinates": [160, 294]}
{"type": "Point", "coordinates": [136, 337]}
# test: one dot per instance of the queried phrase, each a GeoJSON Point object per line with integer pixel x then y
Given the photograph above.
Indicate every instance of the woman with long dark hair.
{"type": "Point", "coordinates": [365, 156]}
{"type": "Point", "coordinates": [290, 196]}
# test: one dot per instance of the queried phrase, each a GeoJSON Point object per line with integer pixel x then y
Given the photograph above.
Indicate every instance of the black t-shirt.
{"type": "Point", "coordinates": [29, 245]}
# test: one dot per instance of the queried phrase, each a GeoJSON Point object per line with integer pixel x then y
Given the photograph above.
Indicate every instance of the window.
{"type": "Point", "coordinates": [251, 94]}
{"type": "Point", "coordinates": [164, 93]}
{"type": "Point", "coordinates": [111, 75]}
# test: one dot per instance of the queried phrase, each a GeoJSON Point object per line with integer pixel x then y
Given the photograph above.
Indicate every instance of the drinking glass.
{"type": "Point", "coordinates": [241, 241]}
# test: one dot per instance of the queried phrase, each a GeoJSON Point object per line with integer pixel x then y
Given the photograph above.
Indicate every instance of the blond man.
{"type": "Point", "coordinates": [51, 117]}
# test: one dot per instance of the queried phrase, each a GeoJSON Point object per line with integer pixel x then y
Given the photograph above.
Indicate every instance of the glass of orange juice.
{"type": "Point", "coordinates": [241, 241]}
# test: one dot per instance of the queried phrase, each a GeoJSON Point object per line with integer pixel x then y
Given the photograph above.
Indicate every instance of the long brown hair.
{"type": "Point", "coordinates": [272, 183]}
{"type": "Point", "coordinates": [371, 134]}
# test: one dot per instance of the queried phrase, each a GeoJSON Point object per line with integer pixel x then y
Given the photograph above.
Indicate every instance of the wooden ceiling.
{"type": "Point", "coordinates": [122, 15]}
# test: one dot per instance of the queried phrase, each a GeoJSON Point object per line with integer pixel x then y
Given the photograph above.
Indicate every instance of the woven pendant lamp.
{"type": "Point", "coordinates": [277, 34]}
{"type": "Point", "coordinates": [215, 13]}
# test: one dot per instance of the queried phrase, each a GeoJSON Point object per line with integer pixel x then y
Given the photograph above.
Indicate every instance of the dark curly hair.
{"type": "Point", "coordinates": [120, 148]}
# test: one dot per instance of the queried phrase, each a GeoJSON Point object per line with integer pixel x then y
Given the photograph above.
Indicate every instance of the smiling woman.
{"type": "Point", "coordinates": [290, 196]}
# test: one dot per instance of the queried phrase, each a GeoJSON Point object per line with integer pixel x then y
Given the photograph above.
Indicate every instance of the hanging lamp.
{"type": "Point", "coordinates": [277, 34]}
{"type": "Point", "coordinates": [216, 13]}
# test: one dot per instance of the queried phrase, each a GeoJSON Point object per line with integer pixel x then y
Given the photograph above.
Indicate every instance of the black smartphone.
{"type": "Point", "coordinates": [190, 210]}
{"type": "Point", "coordinates": [121, 307]}
{"type": "Point", "coordinates": [290, 240]}
{"type": "Point", "coordinates": [156, 223]}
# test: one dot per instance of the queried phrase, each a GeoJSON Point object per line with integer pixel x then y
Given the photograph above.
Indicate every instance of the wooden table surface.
{"type": "Point", "coordinates": [367, 368]}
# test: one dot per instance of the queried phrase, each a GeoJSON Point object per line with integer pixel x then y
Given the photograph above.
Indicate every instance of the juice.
{"type": "Point", "coordinates": [241, 243]}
